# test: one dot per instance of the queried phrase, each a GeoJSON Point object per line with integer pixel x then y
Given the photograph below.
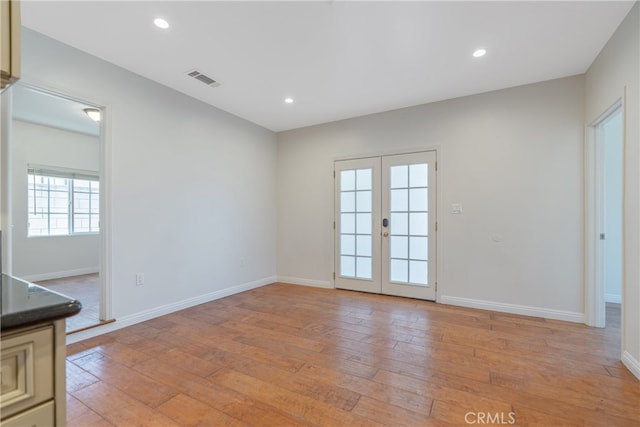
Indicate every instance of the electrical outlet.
{"type": "Point", "coordinates": [139, 279]}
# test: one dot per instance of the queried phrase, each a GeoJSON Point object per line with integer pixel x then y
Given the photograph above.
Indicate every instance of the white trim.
{"type": "Point", "coordinates": [524, 310]}
{"type": "Point", "coordinates": [60, 274]}
{"type": "Point", "coordinates": [105, 307]}
{"type": "Point", "coordinates": [632, 364]}
{"type": "Point", "coordinates": [6, 172]}
{"type": "Point", "coordinates": [326, 284]}
{"type": "Point", "coordinates": [166, 309]}
{"type": "Point", "coordinates": [614, 298]}
{"type": "Point", "coordinates": [390, 152]}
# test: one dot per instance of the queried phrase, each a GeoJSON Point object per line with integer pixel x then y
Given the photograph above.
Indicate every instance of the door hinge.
{"type": "Point", "coordinates": [334, 225]}
{"type": "Point", "coordinates": [436, 166]}
{"type": "Point", "coordinates": [334, 275]}
{"type": "Point", "coordinates": [334, 174]}
{"type": "Point", "coordinates": [601, 236]}
{"type": "Point", "coordinates": [436, 226]}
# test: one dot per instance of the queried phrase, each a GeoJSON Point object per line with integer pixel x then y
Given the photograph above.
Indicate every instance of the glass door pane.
{"type": "Point", "coordinates": [357, 217]}
{"type": "Point", "coordinates": [408, 240]}
{"type": "Point", "coordinates": [356, 223]}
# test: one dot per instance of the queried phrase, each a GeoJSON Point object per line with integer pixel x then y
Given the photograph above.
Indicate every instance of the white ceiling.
{"type": "Point", "coordinates": [39, 107]}
{"type": "Point", "coordinates": [336, 59]}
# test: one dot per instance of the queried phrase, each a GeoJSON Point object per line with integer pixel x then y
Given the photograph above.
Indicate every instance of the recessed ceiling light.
{"type": "Point", "coordinates": [480, 52]}
{"type": "Point", "coordinates": [161, 23]}
{"type": "Point", "coordinates": [288, 100]}
{"type": "Point", "coordinates": [93, 113]}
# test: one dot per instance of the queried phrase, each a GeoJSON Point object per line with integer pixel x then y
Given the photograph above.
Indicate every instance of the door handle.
{"type": "Point", "coordinates": [385, 234]}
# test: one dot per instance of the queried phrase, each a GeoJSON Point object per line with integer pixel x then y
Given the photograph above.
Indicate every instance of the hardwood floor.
{"type": "Point", "coordinates": [285, 355]}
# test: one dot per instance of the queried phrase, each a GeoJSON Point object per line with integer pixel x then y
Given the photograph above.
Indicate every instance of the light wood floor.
{"type": "Point", "coordinates": [286, 355]}
{"type": "Point", "coordinates": [84, 288]}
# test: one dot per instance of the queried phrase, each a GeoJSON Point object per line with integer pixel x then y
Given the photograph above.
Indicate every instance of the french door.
{"type": "Point", "coordinates": [385, 224]}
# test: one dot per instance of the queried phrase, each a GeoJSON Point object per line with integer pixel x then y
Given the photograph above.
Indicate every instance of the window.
{"type": "Point", "coordinates": [62, 203]}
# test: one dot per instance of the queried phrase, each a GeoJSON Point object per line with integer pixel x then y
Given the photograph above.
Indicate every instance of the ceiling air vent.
{"type": "Point", "coordinates": [203, 78]}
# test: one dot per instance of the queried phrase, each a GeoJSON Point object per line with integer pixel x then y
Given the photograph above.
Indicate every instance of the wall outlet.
{"type": "Point", "coordinates": [139, 279]}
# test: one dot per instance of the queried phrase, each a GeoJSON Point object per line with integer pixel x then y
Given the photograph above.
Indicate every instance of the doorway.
{"type": "Point", "coordinates": [385, 224]}
{"type": "Point", "coordinates": [604, 218]}
{"type": "Point", "coordinates": [55, 197]}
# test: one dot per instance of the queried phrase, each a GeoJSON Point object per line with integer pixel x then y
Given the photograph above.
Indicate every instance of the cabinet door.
{"type": "Point", "coordinates": [9, 42]}
{"type": "Point", "coordinates": [27, 370]}
{"type": "Point", "coordinates": [41, 416]}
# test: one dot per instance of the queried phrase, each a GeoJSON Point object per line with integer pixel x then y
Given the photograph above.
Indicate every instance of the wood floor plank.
{"type": "Point", "coordinates": [79, 414]}
{"type": "Point", "coordinates": [77, 377]}
{"type": "Point", "coordinates": [128, 381]}
{"type": "Point", "coordinates": [388, 414]}
{"type": "Point", "coordinates": [286, 355]}
{"type": "Point", "coordinates": [441, 392]}
{"type": "Point", "coordinates": [380, 392]}
{"type": "Point", "coordinates": [119, 409]}
{"type": "Point", "coordinates": [190, 412]}
{"type": "Point", "coordinates": [232, 403]}
{"type": "Point", "coordinates": [305, 408]}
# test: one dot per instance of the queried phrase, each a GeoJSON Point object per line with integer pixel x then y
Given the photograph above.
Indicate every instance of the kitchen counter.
{"type": "Point", "coordinates": [24, 304]}
{"type": "Point", "coordinates": [33, 353]}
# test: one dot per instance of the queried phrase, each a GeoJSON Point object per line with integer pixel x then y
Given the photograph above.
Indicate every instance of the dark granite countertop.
{"type": "Point", "coordinates": [25, 304]}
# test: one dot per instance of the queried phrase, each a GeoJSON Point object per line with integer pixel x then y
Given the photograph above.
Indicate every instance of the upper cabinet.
{"type": "Point", "coordinates": [9, 42]}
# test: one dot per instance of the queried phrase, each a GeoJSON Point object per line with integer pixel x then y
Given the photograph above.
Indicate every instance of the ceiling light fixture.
{"type": "Point", "coordinates": [161, 23]}
{"type": "Point", "coordinates": [93, 113]}
{"type": "Point", "coordinates": [480, 52]}
{"type": "Point", "coordinates": [288, 100]}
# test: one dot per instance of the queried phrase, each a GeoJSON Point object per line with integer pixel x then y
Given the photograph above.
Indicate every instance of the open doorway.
{"type": "Point", "coordinates": [605, 219]}
{"type": "Point", "coordinates": [610, 135]}
{"type": "Point", "coordinates": [55, 197]}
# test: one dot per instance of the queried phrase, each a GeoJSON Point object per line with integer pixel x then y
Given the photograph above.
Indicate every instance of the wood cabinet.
{"type": "Point", "coordinates": [33, 382]}
{"type": "Point", "coordinates": [9, 42]}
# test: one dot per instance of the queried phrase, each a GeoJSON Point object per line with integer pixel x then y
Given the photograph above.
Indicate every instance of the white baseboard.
{"type": "Point", "coordinates": [60, 274]}
{"type": "Point", "coordinates": [306, 282]}
{"type": "Point", "coordinates": [614, 298]}
{"type": "Point", "coordinates": [142, 316]}
{"type": "Point", "coordinates": [632, 364]}
{"type": "Point", "coordinates": [524, 310]}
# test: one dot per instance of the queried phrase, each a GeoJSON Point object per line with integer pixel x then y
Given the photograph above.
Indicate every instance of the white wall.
{"type": "Point", "coordinates": [191, 188]}
{"type": "Point", "coordinates": [40, 258]}
{"type": "Point", "coordinates": [612, 141]}
{"type": "Point", "coordinates": [514, 160]}
{"type": "Point", "coordinates": [614, 75]}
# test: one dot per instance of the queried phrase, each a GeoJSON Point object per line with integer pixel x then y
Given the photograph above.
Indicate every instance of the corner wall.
{"type": "Point", "coordinates": [513, 158]}
{"type": "Point", "coordinates": [190, 188]}
{"type": "Point", "coordinates": [614, 75]}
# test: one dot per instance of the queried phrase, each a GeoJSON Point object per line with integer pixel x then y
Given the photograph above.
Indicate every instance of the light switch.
{"type": "Point", "coordinates": [456, 208]}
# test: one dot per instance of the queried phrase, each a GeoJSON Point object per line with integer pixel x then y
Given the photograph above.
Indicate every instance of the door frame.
{"type": "Point", "coordinates": [595, 304]}
{"type": "Point", "coordinates": [104, 262]}
{"type": "Point", "coordinates": [382, 153]}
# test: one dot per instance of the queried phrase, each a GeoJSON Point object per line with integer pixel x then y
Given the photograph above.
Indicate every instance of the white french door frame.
{"type": "Point", "coordinates": [434, 261]}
